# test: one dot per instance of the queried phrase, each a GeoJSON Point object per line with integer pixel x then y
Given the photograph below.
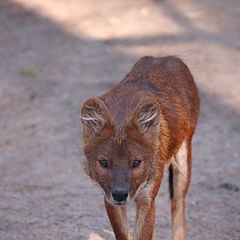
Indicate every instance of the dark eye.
{"type": "Point", "coordinates": [103, 163]}
{"type": "Point", "coordinates": [136, 163]}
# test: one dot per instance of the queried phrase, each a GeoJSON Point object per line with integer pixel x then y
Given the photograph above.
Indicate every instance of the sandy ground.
{"type": "Point", "coordinates": [55, 54]}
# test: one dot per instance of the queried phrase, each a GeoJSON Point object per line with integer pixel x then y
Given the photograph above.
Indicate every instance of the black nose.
{"type": "Point", "coordinates": [120, 195]}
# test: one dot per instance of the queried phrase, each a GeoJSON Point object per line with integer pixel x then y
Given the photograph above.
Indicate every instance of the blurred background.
{"type": "Point", "coordinates": [54, 54]}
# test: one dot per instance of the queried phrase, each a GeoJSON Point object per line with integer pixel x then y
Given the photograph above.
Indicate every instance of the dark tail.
{"type": "Point", "coordinates": [170, 180]}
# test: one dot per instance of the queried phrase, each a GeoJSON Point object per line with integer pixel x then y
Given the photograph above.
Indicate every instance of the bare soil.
{"type": "Point", "coordinates": [55, 54]}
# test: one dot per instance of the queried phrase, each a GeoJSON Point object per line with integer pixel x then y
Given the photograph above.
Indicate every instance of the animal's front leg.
{"type": "Point", "coordinates": [146, 210]}
{"type": "Point", "coordinates": [118, 218]}
{"type": "Point", "coordinates": [145, 221]}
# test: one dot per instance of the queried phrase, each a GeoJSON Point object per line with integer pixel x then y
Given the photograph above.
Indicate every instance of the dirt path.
{"type": "Point", "coordinates": [53, 55]}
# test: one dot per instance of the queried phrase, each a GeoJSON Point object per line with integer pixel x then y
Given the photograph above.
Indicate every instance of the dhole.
{"type": "Point", "coordinates": [141, 127]}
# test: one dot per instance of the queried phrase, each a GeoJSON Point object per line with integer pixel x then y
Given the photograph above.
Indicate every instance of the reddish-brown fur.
{"type": "Point", "coordinates": [149, 116]}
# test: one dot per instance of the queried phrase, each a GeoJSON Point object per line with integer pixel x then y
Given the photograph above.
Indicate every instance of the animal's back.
{"type": "Point", "coordinates": [170, 82]}
{"type": "Point", "coordinates": [169, 79]}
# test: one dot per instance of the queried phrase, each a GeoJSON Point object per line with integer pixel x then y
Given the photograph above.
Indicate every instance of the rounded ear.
{"type": "Point", "coordinates": [147, 117]}
{"type": "Point", "coordinates": [94, 116]}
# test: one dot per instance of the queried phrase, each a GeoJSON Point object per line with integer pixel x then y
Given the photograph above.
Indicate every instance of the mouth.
{"type": "Point", "coordinates": [117, 203]}
{"type": "Point", "coordinates": [121, 203]}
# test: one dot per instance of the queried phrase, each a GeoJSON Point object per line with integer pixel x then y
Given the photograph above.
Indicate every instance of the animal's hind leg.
{"type": "Point", "coordinates": [181, 176]}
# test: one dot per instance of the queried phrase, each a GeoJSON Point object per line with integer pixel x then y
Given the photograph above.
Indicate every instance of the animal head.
{"type": "Point", "coordinates": [120, 160]}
